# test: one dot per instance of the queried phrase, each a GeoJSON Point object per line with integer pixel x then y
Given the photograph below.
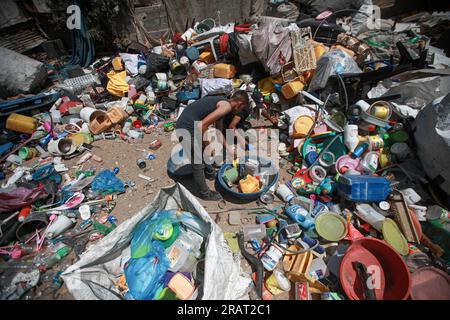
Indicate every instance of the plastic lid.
{"type": "Point", "coordinates": [394, 236]}
{"type": "Point", "coordinates": [331, 227]}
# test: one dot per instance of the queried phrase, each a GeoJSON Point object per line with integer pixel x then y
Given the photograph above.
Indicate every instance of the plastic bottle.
{"type": "Point", "coordinates": [359, 150]}
{"type": "Point", "coordinates": [272, 256]}
{"type": "Point", "coordinates": [376, 142]}
{"type": "Point", "coordinates": [49, 259]}
{"type": "Point", "coordinates": [127, 126]}
{"type": "Point", "coordinates": [351, 140]}
{"type": "Point", "coordinates": [311, 243]}
{"type": "Point", "coordinates": [300, 216]}
{"type": "Point", "coordinates": [131, 91]}
{"type": "Point", "coordinates": [291, 89]}
{"type": "Point", "coordinates": [24, 212]}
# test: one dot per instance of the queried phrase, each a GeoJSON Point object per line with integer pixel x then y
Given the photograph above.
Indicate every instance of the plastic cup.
{"type": "Point", "coordinates": [85, 212]}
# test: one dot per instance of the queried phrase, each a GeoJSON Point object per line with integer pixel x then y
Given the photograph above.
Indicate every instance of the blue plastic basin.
{"type": "Point", "coordinates": [246, 196]}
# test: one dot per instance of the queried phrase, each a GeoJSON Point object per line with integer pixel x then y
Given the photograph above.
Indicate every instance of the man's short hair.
{"type": "Point", "coordinates": [241, 96]}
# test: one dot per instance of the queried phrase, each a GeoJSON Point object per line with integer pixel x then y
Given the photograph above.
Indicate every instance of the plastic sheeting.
{"type": "Point", "coordinates": [20, 197]}
{"type": "Point", "coordinates": [432, 136]}
{"type": "Point", "coordinates": [19, 73]}
{"type": "Point", "coordinates": [94, 275]}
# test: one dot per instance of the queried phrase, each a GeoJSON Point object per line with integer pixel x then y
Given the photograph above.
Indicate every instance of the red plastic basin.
{"type": "Point", "coordinates": [394, 277]}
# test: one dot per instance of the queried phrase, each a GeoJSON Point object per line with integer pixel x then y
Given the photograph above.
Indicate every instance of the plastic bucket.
{"type": "Point", "coordinates": [61, 147]}
{"type": "Point", "coordinates": [61, 224]}
{"type": "Point", "coordinates": [86, 114]}
{"type": "Point", "coordinates": [35, 221]}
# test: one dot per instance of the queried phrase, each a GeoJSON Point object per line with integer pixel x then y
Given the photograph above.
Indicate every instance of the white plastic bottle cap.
{"type": "Point", "coordinates": [384, 205]}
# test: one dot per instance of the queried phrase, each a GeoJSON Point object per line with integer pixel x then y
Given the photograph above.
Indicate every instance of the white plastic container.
{"type": "Point", "coordinates": [272, 257]}
{"type": "Point", "coordinates": [369, 163]}
{"type": "Point", "coordinates": [61, 224]}
{"type": "Point", "coordinates": [351, 138]}
{"type": "Point", "coordinates": [134, 134]}
{"type": "Point", "coordinates": [370, 215]}
{"type": "Point", "coordinates": [188, 244]}
{"type": "Point", "coordinates": [411, 196]}
{"type": "Point", "coordinates": [254, 231]}
{"type": "Point", "coordinates": [285, 193]}
{"type": "Point", "coordinates": [56, 116]}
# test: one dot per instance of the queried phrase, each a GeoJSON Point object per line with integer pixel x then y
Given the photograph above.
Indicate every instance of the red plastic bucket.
{"type": "Point", "coordinates": [393, 281]}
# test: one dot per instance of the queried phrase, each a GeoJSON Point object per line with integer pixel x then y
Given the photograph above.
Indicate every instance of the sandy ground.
{"type": "Point", "coordinates": [117, 153]}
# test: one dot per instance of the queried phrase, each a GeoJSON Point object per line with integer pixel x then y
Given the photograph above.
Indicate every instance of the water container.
{"type": "Point", "coordinates": [19, 123]}
{"type": "Point", "coordinates": [364, 188]}
{"type": "Point", "coordinates": [223, 70]}
{"type": "Point", "coordinates": [291, 89]}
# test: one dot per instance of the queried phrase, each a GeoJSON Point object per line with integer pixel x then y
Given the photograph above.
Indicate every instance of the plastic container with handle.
{"type": "Point", "coordinates": [363, 188]}
{"type": "Point", "coordinates": [370, 215]}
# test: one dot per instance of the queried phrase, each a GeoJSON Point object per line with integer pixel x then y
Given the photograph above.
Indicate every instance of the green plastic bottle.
{"type": "Point", "coordinates": [102, 228]}
{"type": "Point", "coordinates": [87, 173]}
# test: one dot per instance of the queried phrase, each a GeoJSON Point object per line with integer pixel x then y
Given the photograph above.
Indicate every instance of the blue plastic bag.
{"type": "Point", "coordinates": [146, 275]}
{"type": "Point", "coordinates": [158, 227]}
{"type": "Point", "coordinates": [106, 182]}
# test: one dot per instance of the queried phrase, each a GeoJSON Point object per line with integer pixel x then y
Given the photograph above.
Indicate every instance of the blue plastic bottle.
{"type": "Point", "coordinates": [311, 243]}
{"type": "Point", "coordinates": [360, 150]}
{"type": "Point", "coordinates": [299, 215]}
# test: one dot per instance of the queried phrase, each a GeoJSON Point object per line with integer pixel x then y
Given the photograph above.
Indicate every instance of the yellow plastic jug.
{"type": "Point", "coordinates": [291, 89]}
{"type": "Point", "coordinates": [19, 123]}
{"type": "Point", "coordinates": [223, 70]}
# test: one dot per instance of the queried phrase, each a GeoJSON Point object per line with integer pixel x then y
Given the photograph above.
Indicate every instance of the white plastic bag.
{"type": "Point", "coordinates": [216, 86]}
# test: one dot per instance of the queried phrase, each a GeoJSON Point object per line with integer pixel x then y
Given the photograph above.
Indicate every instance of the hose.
{"type": "Point", "coordinates": [272, 240]}
{"type": "Point", "coordinates": [255, 262]}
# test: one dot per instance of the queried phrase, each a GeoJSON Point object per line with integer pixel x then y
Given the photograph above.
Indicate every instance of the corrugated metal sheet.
{"type": "Point", "coordinates": [22, 39]}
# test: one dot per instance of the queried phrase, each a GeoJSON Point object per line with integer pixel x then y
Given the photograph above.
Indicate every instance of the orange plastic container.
{"type": "Point", "coordinates": [19, 123]}
{"type": "Point", "coordinates": [117, 64]}
{"type": "Point", "coordinates": [117, 115]}
{"type": "Point", "coordinates": [223, 70]}
{"type": "Point", "coordinates": [207, 57]}
{"type": "Point", "coordinates": [293, 88]}
{"type": "Point", "coordinates": [249, 185]}
{"type": "Point", "coordinates": [319, 50]}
